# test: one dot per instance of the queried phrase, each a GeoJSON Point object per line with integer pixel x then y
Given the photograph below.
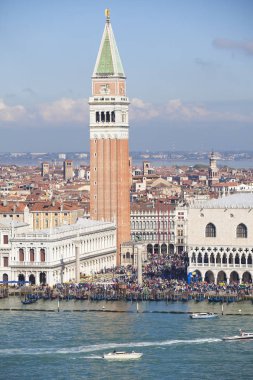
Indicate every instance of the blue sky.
{"type": "Point", "coordinates": [189, 67]}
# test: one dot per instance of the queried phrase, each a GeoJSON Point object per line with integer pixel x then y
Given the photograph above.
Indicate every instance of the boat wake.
{"type": "Point", "coordinates": [102, 347]}
{"type": "Point", "coordinates": [92, 357]}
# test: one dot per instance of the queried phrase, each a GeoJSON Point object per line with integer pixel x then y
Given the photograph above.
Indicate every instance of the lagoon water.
{"type": "Point", "coordinates": [69, 344]}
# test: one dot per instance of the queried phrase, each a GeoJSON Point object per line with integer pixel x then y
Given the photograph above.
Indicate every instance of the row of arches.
{"type": "Point", "coordinates": [31, 278]}
{"type": "Point", "coordinates": [223, 277]}
{"type": "Point", "coordinates": [225, 258]}
{"type": "Point", "coordinates": [162, 249]}
{"type": "Point", "coordinates": [241, 230]}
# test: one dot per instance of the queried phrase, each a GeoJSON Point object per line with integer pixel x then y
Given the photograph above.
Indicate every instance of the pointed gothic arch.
{"type": "Point", "coordinates": [193, 259]}
{"type": "Point", "coordinates": [243, 259]}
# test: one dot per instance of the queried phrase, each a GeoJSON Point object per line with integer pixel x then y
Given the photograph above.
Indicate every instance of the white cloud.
{"type": "Point", "coordinates": [141, 110]}
{"type": "Point", "coordinates": [64, 110]}
{"type": "Point", "coordinates": [176, 110]}
{"type": "Point", "coordinates": [11, 113]}
{"type": "Point", "coordinates": [76, 111]}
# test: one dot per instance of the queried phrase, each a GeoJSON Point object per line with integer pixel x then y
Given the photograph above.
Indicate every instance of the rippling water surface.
{"type": "Point", "coordinates": [70, 345]}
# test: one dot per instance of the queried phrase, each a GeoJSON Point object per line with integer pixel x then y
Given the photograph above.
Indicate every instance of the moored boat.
{"type": "Point", "coordinates": [243, 336]}
{"type": "Point", "coordinates": [203, 315]}
{"type": "Point", "coordinates": [122, 355]}
{"type": "Point", "coordinates": [28, 301]}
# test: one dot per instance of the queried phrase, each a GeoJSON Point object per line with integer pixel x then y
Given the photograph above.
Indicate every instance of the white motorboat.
{"type": "Point", "coordinates": [122, 355]}
{"type": "Point", "coordinates": [243, 336]}
{"type": "Point", "coordinates": [203, 315]}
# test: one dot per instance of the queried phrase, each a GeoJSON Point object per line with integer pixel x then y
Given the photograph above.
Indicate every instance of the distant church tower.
{"type": "Point", "coordinates": [109, 152]}
{"type": "Point", "coordinates": [213, 171]}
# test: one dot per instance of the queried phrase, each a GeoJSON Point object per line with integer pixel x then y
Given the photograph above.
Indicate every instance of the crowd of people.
{"type": "Point", "coordinates": [163, 277]}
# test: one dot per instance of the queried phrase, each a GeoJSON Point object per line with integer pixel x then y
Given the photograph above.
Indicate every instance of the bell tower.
{"type": "Point", "coordinates": [213, 171]}
{"type": "Point", "coordinates": [109, 152]}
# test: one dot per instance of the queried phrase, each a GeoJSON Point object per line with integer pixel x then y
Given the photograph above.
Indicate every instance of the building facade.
{"type": "Point", "coordinates": [161, 229]}
{"type": "Point", "coordinates": [109, 152]}
{"type": "Point", "coordinates": [220, 239]}
{"type": "Point", "coordinates": [8, 229]}
{"type": "Point", "coordinates": [49, 256]}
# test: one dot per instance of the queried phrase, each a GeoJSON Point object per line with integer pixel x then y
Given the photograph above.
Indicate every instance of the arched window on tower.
{"type": "Point", "coordinates": [241, 231]}
{"type": "Point", "coordinates": [210, 230]}
{"type": "Point", "coordinates": [108, 117]}
{"type": "Point", "coordinates": [97, 117]}
{"type": "Point", "coordinates": [113, 117]}
{"type": "Point", "coordinates": [102, 117]}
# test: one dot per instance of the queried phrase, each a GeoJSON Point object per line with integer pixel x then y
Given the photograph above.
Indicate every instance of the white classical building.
{"type": "Point", "coordinates": [7, 230]}
{"type": "Point", "coordinates": [60, 254]}
{"type": "Point", "coordinates": [220, 239]}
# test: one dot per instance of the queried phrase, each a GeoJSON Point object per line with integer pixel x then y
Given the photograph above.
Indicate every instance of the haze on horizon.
{"type": "Point", "coordinates": [189, 67]}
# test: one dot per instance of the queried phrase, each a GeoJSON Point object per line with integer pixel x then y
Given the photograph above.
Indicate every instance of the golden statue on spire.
{"type": "Point", "coordinates": [107, 14]}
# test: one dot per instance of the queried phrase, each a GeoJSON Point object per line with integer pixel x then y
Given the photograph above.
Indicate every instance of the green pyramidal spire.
{"type": "Point", "coordinates": [108, 60]}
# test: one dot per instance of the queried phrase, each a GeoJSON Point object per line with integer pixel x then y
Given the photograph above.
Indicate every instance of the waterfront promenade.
{"type": "Point", "coordinates": [164, 279]}
{"type": "Point", "coordinates": [118, 290]}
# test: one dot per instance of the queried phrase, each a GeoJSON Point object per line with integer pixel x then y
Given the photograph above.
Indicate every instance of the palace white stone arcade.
{"type": "Point", "coordinates": [220, 239]}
